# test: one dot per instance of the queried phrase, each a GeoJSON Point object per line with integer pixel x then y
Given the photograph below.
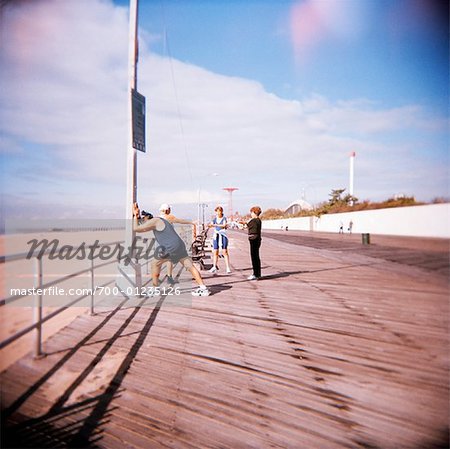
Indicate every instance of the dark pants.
{"type": "Point", "coordinates": [256, 261]}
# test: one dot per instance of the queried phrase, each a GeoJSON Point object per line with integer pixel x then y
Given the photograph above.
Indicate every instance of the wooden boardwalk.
{"type": "Point", "coordinates": [336, 347]}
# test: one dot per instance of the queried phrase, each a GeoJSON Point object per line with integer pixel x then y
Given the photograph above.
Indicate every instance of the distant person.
{"type": "Point", "coordinates": [350, 227]}
{"type": "Point", "coordinates": [286, 228]}
{"type": "Point", "coordinates": [220, 239]}
{"type": "Point", "coordinates": [254, 237]}
{"type": "Point", "coordinates": [174, 249]}
{"type": "Point", "coordinates": [341, 227]}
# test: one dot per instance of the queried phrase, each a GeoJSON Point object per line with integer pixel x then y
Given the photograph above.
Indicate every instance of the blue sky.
{"type": "Point", "coordinates": [397, 54]}
{"type": "Point", "coordinates": [270, 95]}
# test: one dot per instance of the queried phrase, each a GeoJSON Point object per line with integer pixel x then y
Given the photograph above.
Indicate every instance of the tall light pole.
{"type": "Point", "coordinates": [131, 151]}
{"type": "Point", "coordinates": [199, 197]}
{"type": "Point", "coordinates": [203, 205]}
{"type": "Point", "coordinates": [129, 270]}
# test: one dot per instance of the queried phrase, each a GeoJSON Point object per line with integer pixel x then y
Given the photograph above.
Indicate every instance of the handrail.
{"type": "Point", "coordinates": [39, 286]}
{"type": "Point", "coordinates": [56, 281]}
{"type": "Point", "coordinates": [20, 256]}
{"type": "Point", "coordinates": [27, 329]}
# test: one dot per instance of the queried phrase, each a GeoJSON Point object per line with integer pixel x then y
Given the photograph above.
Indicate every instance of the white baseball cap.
{"type": "Point", "coordinates": [164, 207]}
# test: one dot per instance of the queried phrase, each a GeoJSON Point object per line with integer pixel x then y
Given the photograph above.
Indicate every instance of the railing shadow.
{"type": "Point", "coordinates": [61, 426]}
{"type": "Point", "coordinates": [59, 364]}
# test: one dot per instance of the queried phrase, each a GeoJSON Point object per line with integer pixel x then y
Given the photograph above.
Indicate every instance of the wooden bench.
{"type": "Point", "coordinates": [198, 248]}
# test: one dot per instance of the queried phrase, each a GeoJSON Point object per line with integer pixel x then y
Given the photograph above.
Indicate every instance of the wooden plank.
{"type": "Point", "coordinates": [323, 353]}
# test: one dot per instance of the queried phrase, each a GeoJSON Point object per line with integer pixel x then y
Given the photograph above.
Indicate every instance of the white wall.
{"type": "Point", "coordinates": [431, 220]}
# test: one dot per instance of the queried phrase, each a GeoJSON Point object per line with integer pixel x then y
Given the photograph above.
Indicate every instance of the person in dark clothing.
{"type": "Point", "coordinates": [254, 237]}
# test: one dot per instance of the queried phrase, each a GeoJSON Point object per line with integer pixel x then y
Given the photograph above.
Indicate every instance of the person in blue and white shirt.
{"type": "Point", "coordinates": [220, 239]}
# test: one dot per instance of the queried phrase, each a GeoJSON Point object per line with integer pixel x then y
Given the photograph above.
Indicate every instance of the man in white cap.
{"type": "Point", "coordinates": [173, 248]}
{"type": "Point", "coordinates": [165, 212]}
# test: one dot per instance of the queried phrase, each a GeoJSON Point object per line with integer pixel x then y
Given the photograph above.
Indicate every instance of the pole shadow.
{"type": "Point", "coordinates": [59, 364]}
{"type": "Point", "coordinates": [68, 426]}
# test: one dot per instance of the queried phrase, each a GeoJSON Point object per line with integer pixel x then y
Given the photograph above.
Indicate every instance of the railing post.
{"type": "Point", "coordinates": [148, 246]}
{"type": "Point", "coordinates": [92, 286]}
{"type": "Point", "coordinates": [38, 297]}
{"type": "Point", "coordinates": [38, 307]}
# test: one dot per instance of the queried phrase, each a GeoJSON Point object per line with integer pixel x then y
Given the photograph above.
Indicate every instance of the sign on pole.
{"type": "Point", "coordinates": [138, 118]}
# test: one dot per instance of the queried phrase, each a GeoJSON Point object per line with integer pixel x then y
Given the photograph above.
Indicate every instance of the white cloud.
{"type": "Point", "coordinates": [64, 78]}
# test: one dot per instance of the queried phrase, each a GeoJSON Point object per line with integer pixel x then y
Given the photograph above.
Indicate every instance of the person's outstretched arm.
{"type": "Point", "coordinates": [181, 221]}
{"type": "Point", "coordinates": [174, 219]}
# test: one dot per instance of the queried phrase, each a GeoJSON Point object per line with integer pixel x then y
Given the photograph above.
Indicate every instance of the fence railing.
{"type": "Point", "coordinates": [38, 318]}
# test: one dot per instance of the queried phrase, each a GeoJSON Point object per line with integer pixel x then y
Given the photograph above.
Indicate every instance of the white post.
{"type": "Point", "coordinates": [92, 286]}
{"type": "Point", "coordinates": [352, 167]}
{"type": "Point", "coordinates": [129, 279]}
{"type": "Point", "coordinates": [131, 154]}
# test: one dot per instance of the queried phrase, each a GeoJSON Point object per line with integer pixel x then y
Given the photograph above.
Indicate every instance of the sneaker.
{"type": "Point", "coordinates": [252, 278]}
{"type": "Point", "coordinates": [170, 280]}
{"type": "Point", "coordinates": [213, 269]}
{"type": "Point", "coordinates": [151, 293]}
{"type": "Point", "coordinates": [228, 270]}
{"type": "Point", "coordinates": [201, 292]}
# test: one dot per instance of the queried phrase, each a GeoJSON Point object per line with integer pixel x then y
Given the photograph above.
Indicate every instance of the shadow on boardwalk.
{"type": "Point", "coordinates": [77, 425]}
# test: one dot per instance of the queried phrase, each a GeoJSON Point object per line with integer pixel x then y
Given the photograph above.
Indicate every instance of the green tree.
{"type": "Point", "coordinates": [350, 199]}
{"type": "Point", "coordinates": [336, 197]}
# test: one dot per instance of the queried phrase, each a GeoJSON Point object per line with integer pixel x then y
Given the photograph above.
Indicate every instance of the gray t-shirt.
{"type": "Point", "coordinates": [172, 246]}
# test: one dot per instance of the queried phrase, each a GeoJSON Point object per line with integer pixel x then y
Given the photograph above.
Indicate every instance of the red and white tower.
{"type": "Point", "coordinates": [230, 191]}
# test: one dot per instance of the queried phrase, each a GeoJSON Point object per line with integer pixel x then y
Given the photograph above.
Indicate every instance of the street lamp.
{"type": "Point", "coordinates": [203, 205]}
{"type": "Point", "coordinates": [199, 203]}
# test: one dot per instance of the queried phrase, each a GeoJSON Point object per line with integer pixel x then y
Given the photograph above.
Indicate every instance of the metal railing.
{"type": "Point", "coordinates": [39, 286]}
